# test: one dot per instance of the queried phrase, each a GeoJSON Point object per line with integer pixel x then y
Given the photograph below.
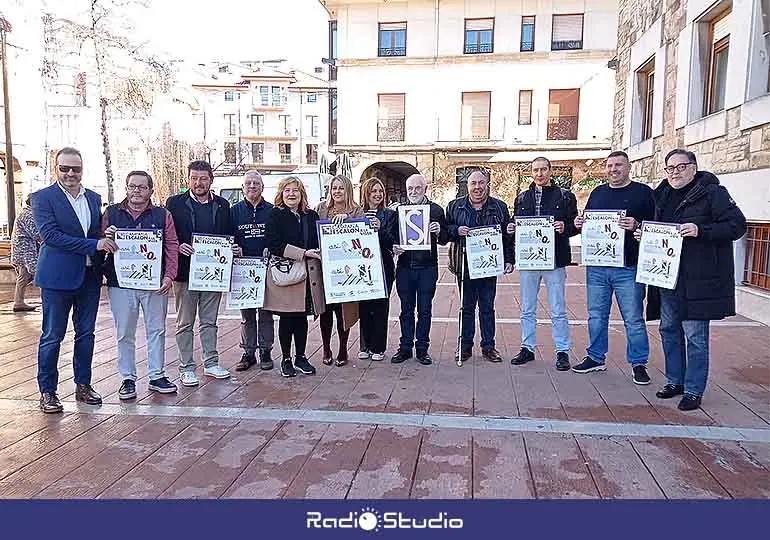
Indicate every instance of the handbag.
{"type": "Point", "coordinates": [286, 272]}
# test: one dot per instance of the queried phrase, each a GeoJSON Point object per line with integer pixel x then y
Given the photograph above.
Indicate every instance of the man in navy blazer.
{"type": "Point", "coordinates": [68, 217]}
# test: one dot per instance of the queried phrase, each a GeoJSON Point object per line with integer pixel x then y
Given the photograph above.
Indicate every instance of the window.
{"type": "Point", "coordinates": [474, 123]}
{"type": "Point", "coordinates": [645, 83]}
{"type": "Point", "coordinates": [567, 32]}
{"type": "Point", "coordinates": [285, 120]}
{"type": "Point", "coordinates": [263, 95]}
{"type": "Point", "coordinates": [224, 69]}
{"type": "Point", "coordinates": [527, 34]}
{"type": "Point", "coordinates": [257, 152]}
{"type": "Point", "coordinates": [276, 93]}
{"type": "Point", "coordinates": [719, 49]}
{"type": "Point", "coordinates": [479, 36]}
{"type": "Point", "coordinates": [229, 96]}
{"type": "Point", "coordinates": [312, 98]}
{"type": "Point", "coordinates": [285, 151]}
{"type": "Point", "coordinates": [258, 123]}
{"type": "Point", "coordinates": [230, 152]}
{"type": "Point", "coordinates": [390, 117]}
{"type": "Point", "coordinates": [563, 106]}
{"type": "Point", "coordinates": [230, 126]}
{"type": "Point", "coordinates": [756, 271]}
{"type": "Point", "coordinates": [392, 40]}
{"type": "Point", "coordinates": [313, 122]}
{"type": "Point", "coordinates": [525, 107]}
{"type": "Point", "coordinates": [311, 154]}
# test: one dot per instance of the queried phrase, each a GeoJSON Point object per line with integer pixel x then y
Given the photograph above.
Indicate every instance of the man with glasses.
{"type": "Point", "coordinates": [137, 211]}
{"type": "Point", "coordinates": [69, 275]}
{"type": "Point", "coordinates": [710, 222]}
{"type": "Point", "coordinates": [248, 224]}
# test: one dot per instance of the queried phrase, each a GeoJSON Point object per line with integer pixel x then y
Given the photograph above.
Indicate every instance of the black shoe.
{"type": "Point", "coordinates": [400, 356]}
{"type": "Point", "coordinates": [640, 374]}
{"type": "Point", "coordinates": [265, 362]}
{"type": "Point", "coordinates": [247, 360]}
{"type": "Point", "coordinates": [49, 403]}
{"type": "Point", "coordinates": [587, 365]}
{"type": "Point", "coordinates": [493, 355]}
{"type": "Point", "coordinates": [670, 390]}
{"type": "Point", "coordinates": [562, 361]}
{"type": "Point", "coordinates": [85, 393]}
{"type": "Point", "coordinates": [524, 356]}
{"type": "Point", "coordinates": [303, 366]}
{"type": "Point", "coordinates": [287, 368]}
{"type": "Point", "coordinates": [127, 389]}
{"type": "Point", "coordinates": [162, 386]}
{"type": "Point", "coordinates": [689, 402]}
{"type": "Point", "coordinates": [424, 358]}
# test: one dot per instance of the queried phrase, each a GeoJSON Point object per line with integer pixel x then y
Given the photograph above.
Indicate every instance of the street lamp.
{"type": "Point", "coordinates": [5, 27]}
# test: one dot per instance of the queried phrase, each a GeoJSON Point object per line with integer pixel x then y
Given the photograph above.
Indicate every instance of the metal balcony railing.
{"type": "Point", "coordinates": [568, 45]}
{"type": "Point", "coordinates": [285, 158]}
{"type": "Point", "coordinates": [391, 51]}
{"type": "Point", "coordinates": [562, 128]}
{"type": "Point", "coordinates": [391, 129]}
{"type": "Point", "coordinates": [477, 48]}
{"type": "Point", "coordinates": [527, 46]}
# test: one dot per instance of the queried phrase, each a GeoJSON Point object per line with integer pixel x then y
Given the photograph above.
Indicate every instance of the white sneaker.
{"type": "Point", "coordinates": [218, 372]}
{"type": "Point", "coordinates": [189, 378]}
{"type": "Point", "coordinates": [363, 355]}
{"type": "Point", "coordinates": [378, 357]}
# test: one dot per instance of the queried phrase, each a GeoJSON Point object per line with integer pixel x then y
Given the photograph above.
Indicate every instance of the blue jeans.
{"type": "Point", "coordinates": [685, 346]}
{"type": "Point", "coordinates": [416, 288]}
{"type": "Point", "coordinates": [529, 288]}
{"type": "Point", "coordinates": [481, 292]}
{"type": "Point", "coordinates": [602, 282]}
{"type": "Point", "coordinates": [57, 304]}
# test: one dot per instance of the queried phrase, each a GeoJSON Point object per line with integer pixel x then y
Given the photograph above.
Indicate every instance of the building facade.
{"type": "Point", "coordinates": [450, 86]}
{"type": "Point", "coordinates": [695, 74]}
{"type": "Point", "coordinates": [255, 116]}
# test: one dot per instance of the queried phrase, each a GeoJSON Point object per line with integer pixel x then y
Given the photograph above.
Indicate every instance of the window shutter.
{"type": "Point", "coordinates": [567, 28]}
{"type": "Point", "coordinates": [479, 24]}
{"type": "Point", "coordinates": [393, 26]}
{"type": "Point", "coordinates": [721, 27]}
{"type": "Point", "coordinates": [525, 107]}
{"type": "Point", "coordinates": [391, 106]}
{"type": "Point", "coordinates": [476, 115]}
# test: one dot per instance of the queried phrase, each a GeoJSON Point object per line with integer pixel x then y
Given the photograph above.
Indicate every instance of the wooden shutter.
{"type": "Point", "coordinates": [393, 26]}
{"type": "Point", "coordinates": [721, 27]}
{"type": "Point", "coordinates": [525, 107]}
{"type": "Point", "coordinates": [475, 115]}
{"type": "Point", "coordinates": [479, 24]}
{"type": "Point", "coordinates": [391, 106]}
{"type": "Point", "coordinates": [567, 28]}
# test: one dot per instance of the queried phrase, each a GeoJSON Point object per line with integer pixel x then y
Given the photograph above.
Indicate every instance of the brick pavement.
{"type": "Point", "coordinates": [378, 430]}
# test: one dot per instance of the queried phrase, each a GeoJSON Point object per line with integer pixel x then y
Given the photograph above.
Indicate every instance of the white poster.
{"type": "Point", "coordinates": [484, 252]}
{"type": "Point", "coordinates": [351, 262]}
{"type": "Point", "coordinates": [602, 238]}
{"type": "Point", "coordinates": [138, 259]}
{"type": "Point", "coordinates": [414, 226]}
{"type": "Point", "coordinates": [660, 251]}
{"type": "Point", "coordinates": [247, 284]}
{"type": "Point", "coordinates": [211, 263]}
{"type": "Point", "coordinates": [535, 248]}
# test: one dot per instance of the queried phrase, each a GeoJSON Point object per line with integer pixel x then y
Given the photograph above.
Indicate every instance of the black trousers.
{"type": "Point", "coordinates": [292, 325]}
{"type": "Point", "coordinates": [374, 324]}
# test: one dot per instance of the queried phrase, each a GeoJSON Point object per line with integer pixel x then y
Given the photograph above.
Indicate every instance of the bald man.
{"type": "Point", "coordinates": [248, 225]}
{"type": "Point", "coordinates": [416, 277]}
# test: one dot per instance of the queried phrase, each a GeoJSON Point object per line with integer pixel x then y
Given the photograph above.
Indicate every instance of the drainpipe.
{"type": "Point", "coordinates": [435, 78]}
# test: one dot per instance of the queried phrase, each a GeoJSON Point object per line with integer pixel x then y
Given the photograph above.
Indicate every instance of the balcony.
{"type": "Point", "coordinates": [285, 158]}
{"type": "Point", "coordinates": [391, 129]}
{"type": "Point", "coordinates": [478, 48]}
{"type": "Point", "coordinates": [562, 128]}
{"type": "Point", "coordinates": [569, 45]}
{"type": "Point", "coordinates": [391, 51]}
{"type": "Point", "coordinates": [527, 46]}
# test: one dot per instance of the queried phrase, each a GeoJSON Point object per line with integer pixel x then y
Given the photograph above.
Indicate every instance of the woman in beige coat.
{"type": "Point", "coordinates": [290, 232]}
{"type": "Point", "coordinates": [338, 206]}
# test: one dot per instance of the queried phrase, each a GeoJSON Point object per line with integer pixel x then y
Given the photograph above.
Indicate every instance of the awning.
{"type": "Point", "coordinates": [526, 156]}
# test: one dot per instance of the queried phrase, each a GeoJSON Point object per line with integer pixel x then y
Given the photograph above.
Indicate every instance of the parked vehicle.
{"type": "Point", "coordinates": [316, 185]}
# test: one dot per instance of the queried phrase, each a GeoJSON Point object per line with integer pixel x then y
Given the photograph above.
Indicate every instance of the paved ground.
{"type": "Point", "coordinates": [378, 430]}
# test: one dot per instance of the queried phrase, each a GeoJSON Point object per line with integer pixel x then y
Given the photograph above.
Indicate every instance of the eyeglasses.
{"type": "Point", "coordinates": [67, 168]}
{"type": "Point", "coordinates": [679, 168]}
{"type": "Point", "coordinates": [132, 187]}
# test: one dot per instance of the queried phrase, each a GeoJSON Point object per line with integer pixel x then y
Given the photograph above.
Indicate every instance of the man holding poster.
{"type": "Point", "coordinates": [613, 212]}
{"type": "Point", "coordinates": [464, 216]}
{"type": "Point", "coordinates": [546, 199]}
{"type": "Point", "coordinates": [134, 280]}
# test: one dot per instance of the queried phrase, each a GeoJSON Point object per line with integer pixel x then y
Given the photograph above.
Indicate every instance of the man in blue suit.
{"type": "Point", "coordinates": [68, 217]}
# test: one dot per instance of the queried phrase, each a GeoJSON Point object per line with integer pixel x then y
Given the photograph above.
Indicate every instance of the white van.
{"type": "Point", "coordinates": [231, 187]}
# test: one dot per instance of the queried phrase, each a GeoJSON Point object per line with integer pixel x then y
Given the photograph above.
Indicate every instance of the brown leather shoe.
{"type": "Point", "coordinates": [492, 355]}
{"type": "Point", "coordinates": [49, 403]}
{"type": "Point", "coordinates": [86, 394]}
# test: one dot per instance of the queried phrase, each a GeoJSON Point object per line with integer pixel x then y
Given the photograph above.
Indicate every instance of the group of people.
{"type": "Point", "coordinates": [78, 243]}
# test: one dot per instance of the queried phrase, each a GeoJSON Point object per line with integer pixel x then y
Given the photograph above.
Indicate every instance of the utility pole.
{"type": "Point", "coordinates": [5, 27]}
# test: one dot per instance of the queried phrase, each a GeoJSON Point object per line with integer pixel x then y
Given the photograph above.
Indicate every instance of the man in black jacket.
{"type": "Point", "coordinates": [197, 211]}
{"type": "Point", "coordinates": [248, 225]}
{"type": "Point", "coordinates": [478, 209]}
{"type": "Point", "coordinates": [705, 288]}
{"type": "Point", "coordinates": [416, 277]}
{"type": "Point", "coordinates": [544, 198]}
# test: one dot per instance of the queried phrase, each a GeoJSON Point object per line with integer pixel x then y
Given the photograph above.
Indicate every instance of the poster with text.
{"type": "Point", "coordinates": [413, 226]}
{"type": "Point", "coordinates": [247, 283]}
{"type": "Point", "coordinates": [138, 259]}
{"type": "Point", "coordinates": [602, 238]}
{"type": "Point", "coordinates": [535, 249]}
{"type": "Point", "coordinates": [660, 251]}
{"type": "Point", "coordinates": [484, 252]}
{"type": "Point", "coordinates": [211, 263]}
{"type": "Point", "coordinates": [351, 261]}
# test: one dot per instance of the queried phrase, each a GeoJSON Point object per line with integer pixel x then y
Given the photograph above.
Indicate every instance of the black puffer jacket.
{"type": "Point", "coordinates": [706, 283]}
